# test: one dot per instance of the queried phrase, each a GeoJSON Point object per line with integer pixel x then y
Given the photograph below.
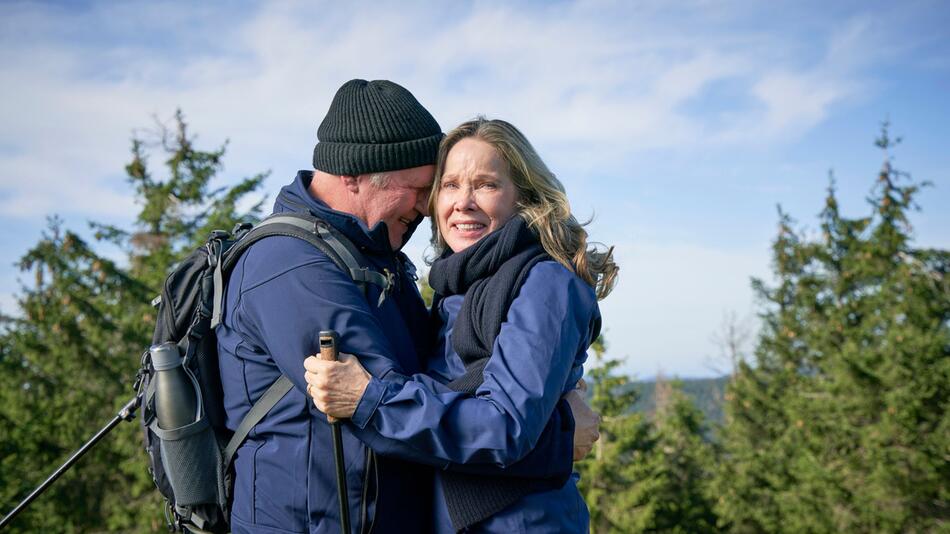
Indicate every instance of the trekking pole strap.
{"type": "Point", "coordinates": [274, 393]}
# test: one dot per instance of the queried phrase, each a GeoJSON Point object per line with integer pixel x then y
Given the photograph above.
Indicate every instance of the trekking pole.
{"type": "Point", "coordinates": [329, 352]}
{"type": "Point", "coordinates": [127, 413]}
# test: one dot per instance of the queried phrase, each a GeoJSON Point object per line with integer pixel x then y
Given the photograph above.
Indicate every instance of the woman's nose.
{"type": "Point", "coordinates": [465, 201]}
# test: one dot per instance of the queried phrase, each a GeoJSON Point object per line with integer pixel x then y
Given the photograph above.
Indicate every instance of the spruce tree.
{"type": "Point", "coordinates": [841, 422]}
{"type": "Point", "coordinates": [606, 475]}
{"type": "Point", "coordinates": [677, 468]}
{"type": "Point", "coordinates": [646, 475]}
{"type": "Point", "coordinates": [67, 364]}
{"type": "Point", "coordinates": [68, 360]}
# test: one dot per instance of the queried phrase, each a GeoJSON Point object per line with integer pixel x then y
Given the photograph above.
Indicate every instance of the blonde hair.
{"type": "Point", "coordinates": [542, 202]}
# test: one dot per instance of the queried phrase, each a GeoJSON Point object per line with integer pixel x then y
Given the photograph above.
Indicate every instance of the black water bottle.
{"type": "Point", "coordinates": [176, 402]}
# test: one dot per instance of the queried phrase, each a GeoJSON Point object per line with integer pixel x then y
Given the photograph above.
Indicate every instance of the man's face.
{"type": "Point", "coordinates": [398, 203]}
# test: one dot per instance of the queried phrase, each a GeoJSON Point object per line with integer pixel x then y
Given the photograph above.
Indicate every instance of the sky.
{"type": "Point", "coordinates": [678, 127]}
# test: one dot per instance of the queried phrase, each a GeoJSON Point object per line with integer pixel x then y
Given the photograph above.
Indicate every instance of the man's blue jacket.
{"type": "Point", "coordinates": [280, 294]}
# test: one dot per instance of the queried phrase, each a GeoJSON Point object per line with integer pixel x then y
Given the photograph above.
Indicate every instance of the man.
{"type": "Point", "coordinates": [373, 170]}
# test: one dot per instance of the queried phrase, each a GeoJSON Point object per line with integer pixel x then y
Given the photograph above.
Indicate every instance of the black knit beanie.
{"type": "Point", "coordinates": [375, 126]}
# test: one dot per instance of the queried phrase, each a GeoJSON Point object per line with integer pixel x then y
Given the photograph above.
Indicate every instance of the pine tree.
{"type": "Point", "coordinates": [841, 424]}
{"type": "Point", "coordinates": [677, 467]}
{"type": "Point", "coordinates": [606, 477]}
{"type": "Point", "coordinates": [68, 361]}
{"type": "Point", "coordinates": [66, 368]}
{"type": "Point", "coordinates": [646, 476]}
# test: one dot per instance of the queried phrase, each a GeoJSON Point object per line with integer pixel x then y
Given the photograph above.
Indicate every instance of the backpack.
{"type": "Point", "coordinates": [191, 465]}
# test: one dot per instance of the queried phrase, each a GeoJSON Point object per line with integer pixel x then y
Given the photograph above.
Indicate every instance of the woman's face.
{"type": "Point", "coordinates": [476, 194]}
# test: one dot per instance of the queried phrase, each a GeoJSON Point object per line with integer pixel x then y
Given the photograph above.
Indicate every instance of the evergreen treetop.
{"type": "Point", "coordinates": [67, 361]}
{"type": "Point", "coordinates": [841, 422]}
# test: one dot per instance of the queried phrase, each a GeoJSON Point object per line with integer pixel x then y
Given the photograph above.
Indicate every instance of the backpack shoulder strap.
{"type": "Point", "coordinates": [312, 230]}
{"type": "Point", "coordinates": [342, 251]}
{"type": "Point", "coordinates": [352, 258]}
{"type": "Point", "coordinates": [274, 393]}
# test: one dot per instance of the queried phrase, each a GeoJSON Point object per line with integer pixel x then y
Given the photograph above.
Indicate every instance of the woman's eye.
{"type": "Point", "coordinates": [489, 185]}
{"type": "Point", "coordinates": [449, 185]}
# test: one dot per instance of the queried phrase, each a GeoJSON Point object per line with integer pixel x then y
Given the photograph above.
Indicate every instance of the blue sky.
{"type": "Point", "coordinates": [678, 125]}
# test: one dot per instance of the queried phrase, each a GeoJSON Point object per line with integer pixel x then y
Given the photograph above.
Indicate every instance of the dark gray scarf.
{"type": "Point", "coordinates": [490, 274]}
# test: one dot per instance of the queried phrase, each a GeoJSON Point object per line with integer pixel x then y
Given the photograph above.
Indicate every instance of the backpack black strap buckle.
{"type": "Point", "coordinates": [218, 235]}
{"type": "Point", "coordinates": [240, 229]}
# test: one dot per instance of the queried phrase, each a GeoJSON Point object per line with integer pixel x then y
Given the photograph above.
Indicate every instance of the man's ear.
{"type": "Point", "coordinates": [351, 183]}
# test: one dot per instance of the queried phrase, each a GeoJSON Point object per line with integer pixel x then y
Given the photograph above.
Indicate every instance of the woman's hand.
{"type": "Point", "coordinates": [586, 422]}
{"type": "Point", "coordinates": [336, 387]}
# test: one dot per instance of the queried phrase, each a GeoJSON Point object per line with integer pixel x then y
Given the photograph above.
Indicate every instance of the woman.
{"type": "Point", "coordinates": [516, 294]}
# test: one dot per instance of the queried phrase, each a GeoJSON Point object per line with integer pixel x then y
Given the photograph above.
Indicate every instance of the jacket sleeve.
{"type": "Point", "coordinates": [551, 457]}
{"type": "Point", "coordinates": [545, 334]}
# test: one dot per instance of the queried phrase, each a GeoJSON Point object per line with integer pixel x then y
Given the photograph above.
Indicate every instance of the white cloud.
{"type": "Point", "coordinates": [33, 188]}
{"type": "Point", "coordinates": [597, 75]}
{"type": "Point", "coordinates": [794, 100]}
{"type": "Point", "coordinates": [593, 84]}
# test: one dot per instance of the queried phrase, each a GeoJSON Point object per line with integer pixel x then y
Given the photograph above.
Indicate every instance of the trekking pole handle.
{"type": "Point", "coordinates": [329, 352]}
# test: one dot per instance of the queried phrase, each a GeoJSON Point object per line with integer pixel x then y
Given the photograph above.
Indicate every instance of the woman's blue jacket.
{"type": "Point", "coordinates": [536, 358]}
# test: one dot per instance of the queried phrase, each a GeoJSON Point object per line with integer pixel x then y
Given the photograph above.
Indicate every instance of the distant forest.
{"type": "Point", "coordinates": [706, 394]}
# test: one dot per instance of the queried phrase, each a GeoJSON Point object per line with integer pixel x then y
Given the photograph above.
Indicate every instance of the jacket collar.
{"type": "Point", "coordinates": [296, 197]}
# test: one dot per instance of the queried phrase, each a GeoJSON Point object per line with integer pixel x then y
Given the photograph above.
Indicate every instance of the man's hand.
{"type": "Point", "coordinates": [586, 422]}
{"type": "Point", "coordinates": [336, 387]}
